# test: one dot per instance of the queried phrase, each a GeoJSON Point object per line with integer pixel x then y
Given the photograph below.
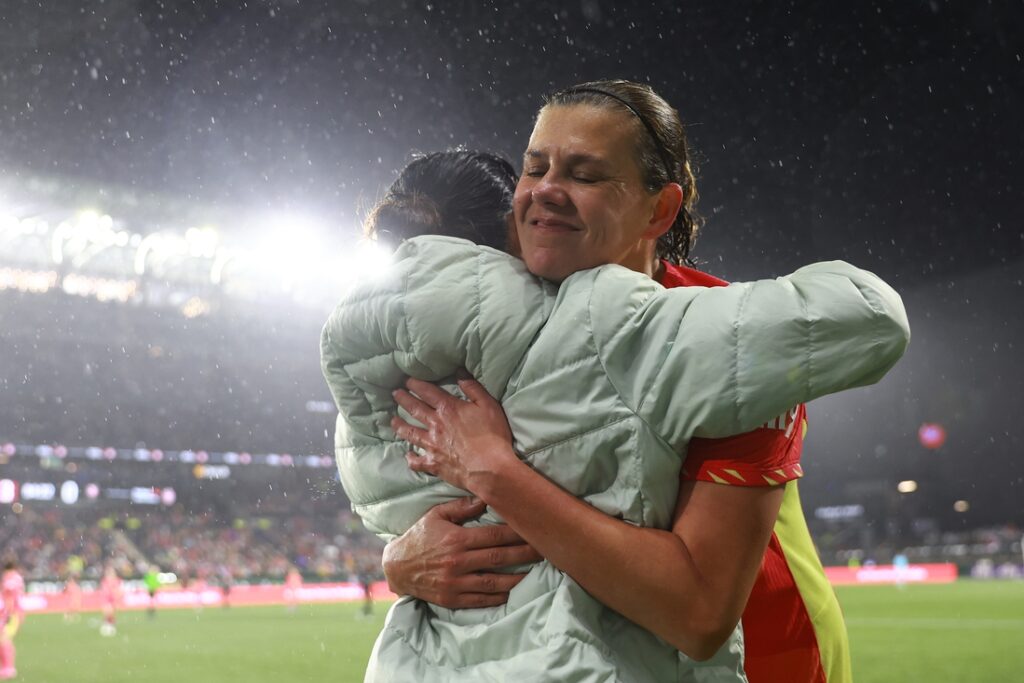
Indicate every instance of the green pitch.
{"type": "Point", "coordinates": [248, 644]}
{"type": "Point", "coordinates": [966, 632]}
{"type": "Point", "coordinates": [959, 633]}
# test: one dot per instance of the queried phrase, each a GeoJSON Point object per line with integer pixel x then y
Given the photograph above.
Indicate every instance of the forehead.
{"type": "Point", "coordinates": [582, 132]}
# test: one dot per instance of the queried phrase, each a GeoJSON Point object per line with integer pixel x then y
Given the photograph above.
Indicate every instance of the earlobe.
{"type": "Point", "coordinates": [670, 201]}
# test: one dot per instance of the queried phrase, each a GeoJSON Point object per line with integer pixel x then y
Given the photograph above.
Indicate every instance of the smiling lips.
{"type": "Point", "coordinates": [553, 225]}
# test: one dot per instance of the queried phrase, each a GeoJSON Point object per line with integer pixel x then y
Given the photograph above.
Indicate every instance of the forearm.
{"type": "Point", "coordinates": [650, 576]}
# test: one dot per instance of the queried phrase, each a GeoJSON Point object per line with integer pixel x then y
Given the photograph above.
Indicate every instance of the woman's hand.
{"type": "Point", "coordinates": [455, 566]}
{"type": "Point", "coordinates": [462, 441]}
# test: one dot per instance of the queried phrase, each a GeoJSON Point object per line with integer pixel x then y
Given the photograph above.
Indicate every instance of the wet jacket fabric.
{"type": "Point", "coordinates": [604, 380]}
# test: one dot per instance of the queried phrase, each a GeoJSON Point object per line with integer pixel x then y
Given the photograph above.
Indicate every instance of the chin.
{"type": "Point", "coordinates": [552, 269]}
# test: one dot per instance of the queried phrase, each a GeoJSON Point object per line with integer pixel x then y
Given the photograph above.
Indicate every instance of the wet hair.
{"type": "Point", "coordinates": [458, 193]}
{"type": "Point", "coordinates": [664, 153]}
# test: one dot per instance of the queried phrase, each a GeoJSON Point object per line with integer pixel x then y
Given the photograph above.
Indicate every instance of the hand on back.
{"type": "Point", "coordinates": [442, 562]}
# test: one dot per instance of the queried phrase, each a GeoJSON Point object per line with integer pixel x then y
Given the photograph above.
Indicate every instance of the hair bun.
{"type": "Point", "coordinates": [400, 216]}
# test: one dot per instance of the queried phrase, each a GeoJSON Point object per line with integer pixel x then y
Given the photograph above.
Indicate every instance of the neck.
{"type": "Point", "coordinates": [647, 263]}
{"type": "Point", "coordinates": [643, 258]}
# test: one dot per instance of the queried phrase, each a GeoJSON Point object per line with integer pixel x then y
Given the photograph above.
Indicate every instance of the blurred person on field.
{"type": "Point", "coordinates": [73, 598]}
{"type": "Point", "coordinates": [365, 578]}
{"type": "Point", "coordinates": [151, 578]}
{"type": "Point", "coordinates": [111, 593]}
{"type": "Point", "coordinates": [12, 587]}
{"type": "Point", "coordinates": [292, 586]}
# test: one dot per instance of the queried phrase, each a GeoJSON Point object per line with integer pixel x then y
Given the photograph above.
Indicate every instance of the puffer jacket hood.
{"type": "Point", "coordinates": [604, 380]}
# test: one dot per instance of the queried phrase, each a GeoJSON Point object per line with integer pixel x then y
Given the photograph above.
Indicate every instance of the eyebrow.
{"type": "Point", "coordinates": [575, 158]}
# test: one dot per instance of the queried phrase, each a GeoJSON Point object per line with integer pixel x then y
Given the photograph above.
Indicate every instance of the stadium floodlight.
{"type": "Point", "coordinates": [202, 242]}
{"type": "Point", "coordinates": [221, 259]}
{"type": "Point", "coordinates": [90, 232]}
{"type": "Point", "coordinates": [69, 492]}
{"type": "Point", "coordinates": [62, 232]}
{"type": "Point", "coordinates": [8, 491]}
{"type": "Point", "coordinates": [9, 223]}
{"type": "Point", "coordinates": [908, 486]}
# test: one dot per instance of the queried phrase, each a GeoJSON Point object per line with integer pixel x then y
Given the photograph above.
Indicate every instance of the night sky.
{"type": "Point", "coordinates": [887, 134]}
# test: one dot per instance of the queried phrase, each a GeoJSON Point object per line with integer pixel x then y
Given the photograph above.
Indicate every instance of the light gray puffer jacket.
{"type": "Point", "coordinates": [604, 380]}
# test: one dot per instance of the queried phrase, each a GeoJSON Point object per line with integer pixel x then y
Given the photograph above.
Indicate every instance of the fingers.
{"type": "Point", "coordinates": [473, 600]}
{"type": "Point", "coordinates": [491, 536]}
{"type": "Point", "coordinates": [430, 394]}
{"type": "Point", "coordinates": [473, 390]}
{"type": "Point", "coordinates": [413, 405]}
{"type": "Point", "coordinates": [496, 558]}
{"type": "Point", "coordinates": [489, 583]}
{"type": "Point", "coordinates": [414, 435]}
{"type": "Point", "coordinates": [421, 463]}
{"type": "Point", "coordinates": [459, 510]}
{"type": "Point", "coordinates": [478, 590]}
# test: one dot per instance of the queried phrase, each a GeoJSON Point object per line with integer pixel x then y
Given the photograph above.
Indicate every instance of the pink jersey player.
{"type": "Point", "coordinates": [110, 591]}
{"type": "Point", "coordinates": [73, 599]}
{"type": "Point", "coordinates": [292, 586]}
{"type": "Point", "coordinates": [12, 586]}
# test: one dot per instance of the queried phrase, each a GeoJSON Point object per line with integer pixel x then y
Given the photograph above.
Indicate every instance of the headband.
{"type": "Point", "coordinates": [662, 152]}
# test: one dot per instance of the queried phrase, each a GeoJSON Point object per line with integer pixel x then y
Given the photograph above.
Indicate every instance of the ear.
{"type": "Point", "coordinates": [666, 208]}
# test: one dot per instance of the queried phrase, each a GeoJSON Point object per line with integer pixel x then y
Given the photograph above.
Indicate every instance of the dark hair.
{"type": "Point", "coordinates": [664, 153]}
{"type": "Point", "coordinates": [457, 193]}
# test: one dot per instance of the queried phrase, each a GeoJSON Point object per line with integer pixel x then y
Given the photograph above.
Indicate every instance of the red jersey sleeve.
{"type": "Point", "coordinates": [766, 456]}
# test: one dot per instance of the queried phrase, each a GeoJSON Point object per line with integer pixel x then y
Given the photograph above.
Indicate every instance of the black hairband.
{"type": "Point", "coordinates": [662, 152]}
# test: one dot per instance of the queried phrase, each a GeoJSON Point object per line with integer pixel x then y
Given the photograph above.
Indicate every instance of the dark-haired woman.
{"type": "Point", "coordinates": [459, 193]}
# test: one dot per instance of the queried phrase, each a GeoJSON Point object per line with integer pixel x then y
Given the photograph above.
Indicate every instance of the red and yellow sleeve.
{"type": "Point", "coordinates": [766, 456]}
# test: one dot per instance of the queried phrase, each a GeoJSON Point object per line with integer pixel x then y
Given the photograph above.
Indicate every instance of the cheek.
{"type": "Point", "coordinates": [520, 200]}
{"type": "Point", "coordinates": [520, 203]}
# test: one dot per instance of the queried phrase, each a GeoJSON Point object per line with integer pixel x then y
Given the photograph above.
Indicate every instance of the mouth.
{"type": "Point", "coordinates": [553, 225]}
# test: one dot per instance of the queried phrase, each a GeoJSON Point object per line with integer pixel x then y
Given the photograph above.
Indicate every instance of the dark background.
{"type": "Point", "coordinates": [887, 134]}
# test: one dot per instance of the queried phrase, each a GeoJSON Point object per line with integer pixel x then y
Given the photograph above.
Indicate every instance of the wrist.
{"type": "Point", "coordinates": [389, 564]}
{"type": "Point", "coordinates": [489, 483]}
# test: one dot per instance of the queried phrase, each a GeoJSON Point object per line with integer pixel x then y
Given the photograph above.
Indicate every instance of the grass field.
{"type": "Point", "coordinates": [959, 633]}
{"type": "Point", "coordinates": [966, 632]}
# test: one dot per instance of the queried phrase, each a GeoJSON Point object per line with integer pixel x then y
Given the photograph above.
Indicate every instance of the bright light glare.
{"type": "Point", "coordinates": [291, 247]}
{"type": "Point", "coordinates": [202, 242]}
{"type": "Point", "coordinates": [961, 506]}
{"type": "Point", "coordinates": [369, 260]}
{"type": "Point", "coordinates": [365, 261]}
{"type": "Point", "coordinates": [908, 486]}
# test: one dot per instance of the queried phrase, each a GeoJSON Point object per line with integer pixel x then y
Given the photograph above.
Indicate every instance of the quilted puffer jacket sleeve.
{"type": "Point", "coordinates": [444, 304]}
{"type": "Point", "coordinates": [714, 362]}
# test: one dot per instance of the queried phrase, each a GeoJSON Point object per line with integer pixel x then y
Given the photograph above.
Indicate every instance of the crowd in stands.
{"type": "Point", "coordinates": [80, 372]}
{"type": "Point", "coordinates": [995, 545]}
{"type": "Point", "coordinates": [200, 546]}
{"type": "Point", "coordinates": [53, 544]}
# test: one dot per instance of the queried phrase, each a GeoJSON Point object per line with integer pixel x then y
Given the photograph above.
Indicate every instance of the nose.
{"type": "Point", "coordinates": [549, 191]}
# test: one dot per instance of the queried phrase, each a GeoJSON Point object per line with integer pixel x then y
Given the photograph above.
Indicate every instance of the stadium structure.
{"type": "Point", "coordinates": [162, 402]}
